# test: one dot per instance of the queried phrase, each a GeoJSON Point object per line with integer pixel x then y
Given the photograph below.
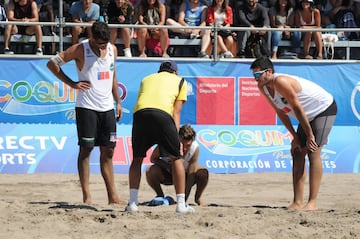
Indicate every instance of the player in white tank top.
{"type": "Point", "coordinates": [99, 71]}
{"type": "Point", "coordinates": [314, 108]}
{"type": "Point", "coordinates": [97, 89]}
{"type": "Point", "coordinates": [161, 173]}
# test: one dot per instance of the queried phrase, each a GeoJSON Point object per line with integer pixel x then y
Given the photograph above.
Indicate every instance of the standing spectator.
{"type": "Point", "coordinates": [23, 11]}
{"type": "Point", "coordinates": [252, 14]}
{"type": "Point", "coordinates": [83, 11]}
{"type": "Point", "coordinates": [121, 12]}
{"type": "Point", "coordinates": [152, 12]}
{"type": "Point", "coordinates": [282, 16]}
{"type": "Point", "coordinates": [308, 17]}
{"type": "Point", "coordinates": [160, 172]}
{"type": "Point", "coordinates": [95, 114]}
{"type": "Point", "coordinates": [157, 121]}
{"type": "Point", "coordinates": [315, 110]}
{"type": "Point", "coordinates": [221, 15]}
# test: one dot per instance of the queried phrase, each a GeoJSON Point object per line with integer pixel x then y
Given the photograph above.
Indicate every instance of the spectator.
{"type": "Point", "coordinates": [83, 11]}
{"type": "Point", "coordinates": [121, 12]}
{"type": "Point", "coordinates": [46, 14]}
{"type": "Point", "coordinates": [356, 9]}
{"type": "Point", "coordinates": [152, 12]}
{"type": "Point", "coordinates": [281, 16]}
{"type": "Point", "coordinates": [173, 8]}
{"type": "Point", "coordinates": [3, 17]}
{"type": "Point", "coordinates": [192, 13]}
{"type": "Point", "coordinates": [344, 17]}
{"type": "Point", "coordinates": [220, 14]}
{"type": "Point", "coordinates": [23, 11]}
{"type": "Point", "coordinates": [252, 14]}
{"type": "Point", "coordinates": [309, 17]}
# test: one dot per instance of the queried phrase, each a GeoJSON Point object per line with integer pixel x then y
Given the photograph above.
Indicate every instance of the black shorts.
{"type": "Point", "coordinates": [95, 128]}
{"type": "Point", "coordinates": [320, 125]}
{"type": "Point", "coordinates": [154, 126]}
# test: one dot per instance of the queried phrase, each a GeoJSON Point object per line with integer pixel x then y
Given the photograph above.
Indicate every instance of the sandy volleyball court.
{"type": "Point", "coordinates": [240, 206]}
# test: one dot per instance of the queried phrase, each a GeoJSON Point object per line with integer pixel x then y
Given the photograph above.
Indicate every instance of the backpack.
{"type": "Point", "coordinates": [256, 47]}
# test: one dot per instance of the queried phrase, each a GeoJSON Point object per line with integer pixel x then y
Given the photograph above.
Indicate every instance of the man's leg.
{"type": "Point", "coordinates": [154, 176]}
{"type": "Point", "coordinates": [178, 173]}
{"type": "Point", "coordinates": [201, 180]}
{"type": "Point", "coordinates": [84, 172]}
{"type": "Point", "coordinates": [315, 176]}
{"type": "Point", "coordinates": [299, 176]}
{"type": "Point", "coordinates": [134, 183]}
{"type": "Point", "coordinates": [107, 172]}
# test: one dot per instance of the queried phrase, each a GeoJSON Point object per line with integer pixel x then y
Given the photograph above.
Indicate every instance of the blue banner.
{"type": "Point", "coordinates": [236, 129]}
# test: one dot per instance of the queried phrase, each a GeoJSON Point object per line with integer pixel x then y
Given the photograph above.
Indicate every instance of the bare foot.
{"type": "Point", "coordinates": [118, 200]}
{"type": "Point", "coordinates": [310, 206]}
{"type": "Point", "coordinates": [201, 202]}
{"type": "Point", "coordinates": [87, 200]}
{"type": "Point", "coordinates": [295, 206]}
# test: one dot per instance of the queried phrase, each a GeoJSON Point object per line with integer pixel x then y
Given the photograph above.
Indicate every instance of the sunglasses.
{"type": "Point", "coordinates": [257, 74]}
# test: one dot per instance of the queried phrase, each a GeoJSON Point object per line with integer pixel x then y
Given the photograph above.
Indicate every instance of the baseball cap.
{"type": "Point", "coordinates": [168, 65]}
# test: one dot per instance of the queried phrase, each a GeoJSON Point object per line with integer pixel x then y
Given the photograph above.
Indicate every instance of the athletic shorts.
{"type": "Point", "coordinates": [154, 126]}
{"type": "Point", "coordinates": [320, 125]}
{"type": "Point", "coordinates": [95, 128]}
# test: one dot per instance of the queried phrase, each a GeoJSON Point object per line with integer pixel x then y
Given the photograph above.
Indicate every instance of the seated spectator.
{"type": "Point", "coordinates": [192, 13]}
{"type": "Point", "coordinates": [281, 16]}
{"type": "Point", "coordinates": [252, 14]}
{"type": "Point", "coordinates": [83, 11]}
{"type": "Point", "coordinates": [173, 8]}
{"type": "Point", "coordinates": [121, 12]}
{"type": "Point", "coordinates": [152, 12]}
{"type": "Point", "coordinates": [46, 14]}
{"type": "Point", "coordinates": [309, 17]}
{"type": "Point", "coordinates": [356, 10]}
{"type": "Point", "coordinates": [220, 13]}
{"type": "Point", "coordinates": [23, 11]}
{"type": "Point", "coordinates": [3, 17]}
{"type": "Point", "coordinates": [344, 17]}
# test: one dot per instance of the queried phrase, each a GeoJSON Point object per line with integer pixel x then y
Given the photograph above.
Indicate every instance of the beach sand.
{"type": "Point", "coordinates": [240, 206]}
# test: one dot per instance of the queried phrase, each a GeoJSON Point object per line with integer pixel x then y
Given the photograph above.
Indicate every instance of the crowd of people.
{"type": "Point", "coordinates": [224, 14]}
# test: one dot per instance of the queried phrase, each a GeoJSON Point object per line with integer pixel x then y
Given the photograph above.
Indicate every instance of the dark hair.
{"type": "Point", "coordinates": [100, 31]}
{"type": "Point", "coordinates": [186, 132]}
{"type": "Point", "coordinates": [263, 63]}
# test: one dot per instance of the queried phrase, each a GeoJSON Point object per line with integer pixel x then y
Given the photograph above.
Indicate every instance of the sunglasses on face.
{"type": "Point", "coordinates": [258, 74]}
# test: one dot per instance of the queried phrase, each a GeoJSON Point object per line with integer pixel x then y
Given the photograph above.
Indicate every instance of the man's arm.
{"type": "Point", "coordinates": [75, 52]}
{"type": "Point", "coordinates": [287, 90]}
{"type": "Point", "coordinates": [115, 90]}
{"type": "Point", "coordinates": [177, 110]}
{"type": "Point", "coordinates": [193, 166]}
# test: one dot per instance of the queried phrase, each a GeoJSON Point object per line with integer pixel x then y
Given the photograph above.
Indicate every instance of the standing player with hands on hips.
{"type": "Point", "coordinates": [95, 116]}
{"type": "Point", "coordinates": [314, 108]}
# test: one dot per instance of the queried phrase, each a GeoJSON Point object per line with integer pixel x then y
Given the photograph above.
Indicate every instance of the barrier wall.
{"type": "Point", "coordinates": [236, 128]}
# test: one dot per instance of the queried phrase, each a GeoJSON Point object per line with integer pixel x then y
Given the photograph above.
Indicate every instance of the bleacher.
{"type": "Point", "coordinates": [344, 50]}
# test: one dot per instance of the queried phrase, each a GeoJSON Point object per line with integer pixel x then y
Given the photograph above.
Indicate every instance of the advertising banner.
{"type": "Point", "coordinates": [236, 128]}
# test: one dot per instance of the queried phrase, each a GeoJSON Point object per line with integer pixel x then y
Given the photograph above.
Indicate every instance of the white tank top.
{"type": "Point", "coordinates": [189, 154]}
{"type": "Point", "coordinates": [99, 72]}
{"type": "Point", "coordinates": [312, 98]}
